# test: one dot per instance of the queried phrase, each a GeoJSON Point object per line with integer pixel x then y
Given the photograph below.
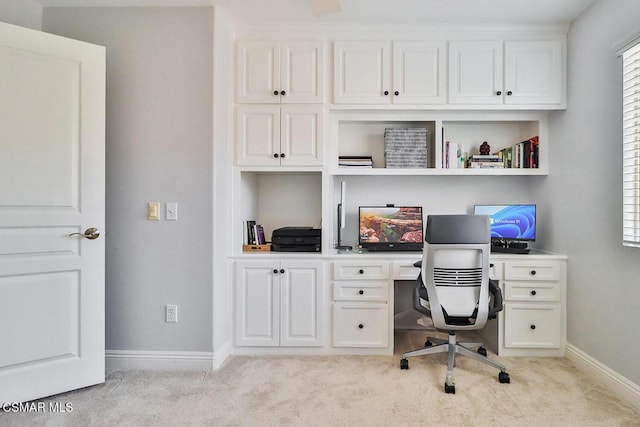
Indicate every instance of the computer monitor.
{"type": "Point", "coordinates": [512, 225]}
{"type": "Point", "coordinates": [390, 228]}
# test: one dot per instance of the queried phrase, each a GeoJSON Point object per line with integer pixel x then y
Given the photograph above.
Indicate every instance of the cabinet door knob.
{"type": "Point", "coordinates": [499, 93]}
{"type": "Point", "coordinates": [361, 271]}
{"type": "Point", "coordinates": [386, 92]}
{"type": "Point", "coordinates": [360, 326]}
{"type": "Point", "coordinates": [283, 93]}
{"type": "Point", "coordinates": [532, 327]}
{"type": "Point", "coordinates": [396, 93]}
{"type": "Point", "coordinates": [533, 272]}
{"type": "Point", "coordinates": [533, 293]}
{"type": "Point", "coordinates": [275, 92]}
{"type": "Point", "coordinates": [276, 155]}
{"type": "Point", "coordinates": [282, 155]}
{"type": "Point", "coordinates": [275, 271]}
{"type": "Point", "coordinates": [509, 93]}
{"type": "Point", "coordinates": [282, 271]}
{"type": "Point", "coordinates": [361, 292]}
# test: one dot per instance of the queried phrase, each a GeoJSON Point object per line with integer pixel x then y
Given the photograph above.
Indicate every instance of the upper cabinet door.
{"type": "Point", "coordinates": [362, 72]}
{"type": "Point", "coordinates": [301, 136]}
{"type": "Point", "coordinates": [533, 72]}
{"type": "Point", "coordinates": [258, 69]}
{"type": "Point", "coordinates": [475, 72]}
{"type": "Point", "coordinates": [275, 72]}
{"type": "Point", "coordinates": [258, 135]}
{"type": "Point", "coordinates": [302, 72]}
{"type": "Point", "coordinates": [419, 72]}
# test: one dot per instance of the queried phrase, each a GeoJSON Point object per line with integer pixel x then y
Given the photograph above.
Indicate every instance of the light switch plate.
{"type": "Point", "coordinates": [153, 211]}
{"type": "Point", "coordinates": [171, 213]}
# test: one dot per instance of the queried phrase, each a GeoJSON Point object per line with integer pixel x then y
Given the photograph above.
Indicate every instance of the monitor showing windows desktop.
{"type": "Point", "coordinates": [390, 228]}
{"type": "Point", "coordinates": [512, 226]}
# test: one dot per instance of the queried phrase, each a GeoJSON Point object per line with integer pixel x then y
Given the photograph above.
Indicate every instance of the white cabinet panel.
{"type": "Point", "coordinates": [360, 325]}
{"type": "Point", "coordinates": [533, 71]}
{"type": "Point", "coordinates": [532, 325]}
{"type": "Point", "coordinates": [272, 72]}
{"type": "Point", "coordinates": [362, 73]}
{"type": "Point", "coordinates": [419, 72]}
{"type": "Point", "coordinates": [475, 72]}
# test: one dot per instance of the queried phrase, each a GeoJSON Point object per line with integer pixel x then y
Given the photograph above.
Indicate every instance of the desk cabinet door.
{"type": "Point", "coordinates": [532, 325]}
{"type": "Point", "coordinates": [360, 325]}
{"type": "Point", "coordinates": [300, 303]}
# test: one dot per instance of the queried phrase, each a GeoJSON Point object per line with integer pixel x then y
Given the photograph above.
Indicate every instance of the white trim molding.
{"type": "Point", "coordinates": [619, 385]}
{"type": "Point", "coordinates": [221, 355]}
{"type": "Point", "coordinates": [158, 360]}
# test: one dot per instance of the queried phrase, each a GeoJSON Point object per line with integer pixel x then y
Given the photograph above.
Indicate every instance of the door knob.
{"type": "Point", "coordinates": [90, 233]}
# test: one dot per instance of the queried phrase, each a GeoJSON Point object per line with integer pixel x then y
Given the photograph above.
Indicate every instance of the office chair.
{"type": "Point", "coordinates": [453, 288]}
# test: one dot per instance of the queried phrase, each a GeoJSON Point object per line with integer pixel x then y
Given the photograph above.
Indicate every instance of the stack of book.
{"type": "Point", "coordinates": [355, 161]}
{"type": "Point", "coordinates": [254, 233]}
{"type": "Point", "coordinates": [452, 155]}
{"type": "Point", "coordinates": [486, 161]}
{"type": "Point", "coordinates": [522, 155]}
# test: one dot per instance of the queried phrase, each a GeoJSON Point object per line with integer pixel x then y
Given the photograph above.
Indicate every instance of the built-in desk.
{"type": "Point", "coordinates": [343, 303]}
{"type": "Point", "coordinates": [532, 323]}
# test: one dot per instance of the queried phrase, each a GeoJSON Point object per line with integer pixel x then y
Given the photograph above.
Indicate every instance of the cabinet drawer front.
{"type": "Point", "coordinates": [360, 271]}
{"type": "Point", "coordinates": [528, 291]}
{"type": "Point", "coordinates": [532, 325]}
{"type": "Point", "coordinates": [496, 270]}
{"type": "Point", "coordinates": [361, 291]}
{"type": "Point", "coordinates": [404, 270]}
{"type": "Point", "coordinates": [360, 325]}
{"type": "Point", "coordinates": [550, 271]}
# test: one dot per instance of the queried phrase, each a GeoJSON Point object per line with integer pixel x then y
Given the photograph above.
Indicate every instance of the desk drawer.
{"type": "Point", "coordinates": [404, 270]}
{"type": "Point", "coordinates": [360, 270]}
{"type": "Point", "coordinates": [532, 291]}
{"type": "Point", "coordinates": [361, 291]}
{"type": "Point", "coordinates": [532, 325]}
{"type": "Point", "coordinates": [360, 325]}
{"type": "Point", "coordinates": [531, 270]}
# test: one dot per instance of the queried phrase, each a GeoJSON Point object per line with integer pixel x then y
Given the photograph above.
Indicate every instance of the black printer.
{"type": "Point", "coordinates": [296, 239]}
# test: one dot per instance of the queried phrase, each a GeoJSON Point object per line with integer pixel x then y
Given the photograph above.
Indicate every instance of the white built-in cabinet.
{"type": "Point", "coordinates": [280, 72]}
{"type": "Point", "coordinates": [383, 72]}
{"type": "Point", "coordinates": [278, 303]}
{"type": "Point", "coordinates": [506, 73]}
{"type": "Point", "coordinates": [279, 136]}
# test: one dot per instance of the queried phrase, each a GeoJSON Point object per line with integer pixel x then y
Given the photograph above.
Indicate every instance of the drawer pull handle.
{"type": "Point", "coordinates": [361, 292]}
{"type": "Point", "coordinates": [532, 327]}
{"type": "Point", "coordinates": [533, 293]}
{"type": "Point", "coordinates": [360, 326]}
{"type": "Point", "coordinates": [533, 272]}
{"type": "Point", "coordinates": [275, 271]}
{"type": "Point", "coordinates": [282, 270]}
{"type": "Point", "coordinates": [360, 271]}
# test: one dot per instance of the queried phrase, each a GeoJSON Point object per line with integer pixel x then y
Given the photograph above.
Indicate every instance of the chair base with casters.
{"type": "Point", "coordinates": [453, 348]}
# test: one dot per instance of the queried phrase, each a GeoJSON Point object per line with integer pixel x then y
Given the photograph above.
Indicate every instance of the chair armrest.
{"type": "Point", "coordinates": [419, 292]}
{"type": "Point", "coordinates": [418, 264]}
{"type": "Point", "coordinates": [496, 292]}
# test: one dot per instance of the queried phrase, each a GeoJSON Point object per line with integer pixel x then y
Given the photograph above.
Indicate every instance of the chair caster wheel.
{"type": "Point", "coordinates": [504, 378]}
{"type": "Point", "coordinates": [404, 364]}
{"type": "Point", "coordinates": [449, 389]}
{"type": "Point", "coordinates": [428, 343]}
{"type": "Point", "coordinates": [482, 351]}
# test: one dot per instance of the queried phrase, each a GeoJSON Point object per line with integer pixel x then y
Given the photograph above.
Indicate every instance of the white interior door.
{"type": "Point", "coordinates": [52, 184]}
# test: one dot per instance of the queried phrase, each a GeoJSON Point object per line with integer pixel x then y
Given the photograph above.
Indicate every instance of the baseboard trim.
{"type": "Point", "coordinates": [158, 360]}
{"type": "Point", "coordinates": [621, 386]}
{"type": "Point", "coordinates": [221, 355]}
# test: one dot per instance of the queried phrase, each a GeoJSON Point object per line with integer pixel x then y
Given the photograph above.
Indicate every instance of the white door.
{"type": "Point", "coordinates": [362, 72]}
{"type": "Point", "coordinates": [258, 135]}
{"type": "Point", "coordinates": [302, 72]}
{"type": "Point", "coordinates": [419, 72]}
{"type": "Point", "coordinates": [257, 303]}
{"type": "Point", "coordinates": [52, 184]}
{"type": "Point", "coordinates": [300, 306]}
{"type": "Point", "coordinates": [258, 69]}
{"type": "Point", "coordinates": [475, 72]}
{"type": "Point", "coordinates": [301, 136]}
{"type": "Point", "coordinates": [533, 72]}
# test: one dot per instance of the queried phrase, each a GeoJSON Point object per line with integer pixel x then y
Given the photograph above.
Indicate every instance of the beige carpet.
{"type": "Point", "coordinates": [343, 391]}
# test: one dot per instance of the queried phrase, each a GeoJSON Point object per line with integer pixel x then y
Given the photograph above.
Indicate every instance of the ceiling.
{"type": "Point", "coordinates": [373, 11]}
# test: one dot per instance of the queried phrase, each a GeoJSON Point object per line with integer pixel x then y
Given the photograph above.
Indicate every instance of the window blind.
{"type": "Point", "coordinates": [631, 146]}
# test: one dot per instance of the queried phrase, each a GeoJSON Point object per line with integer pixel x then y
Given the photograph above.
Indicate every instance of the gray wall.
{"type": "Point", "coordinates": [159, 148]}
{"type": "Point", "coordinates": [583, 192]}
{"type": "Point", "coordinates": [24, 13]}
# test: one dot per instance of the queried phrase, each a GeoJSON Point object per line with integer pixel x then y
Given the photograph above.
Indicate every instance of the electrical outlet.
{"type": "Point", "coordinates": [171, 313]}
